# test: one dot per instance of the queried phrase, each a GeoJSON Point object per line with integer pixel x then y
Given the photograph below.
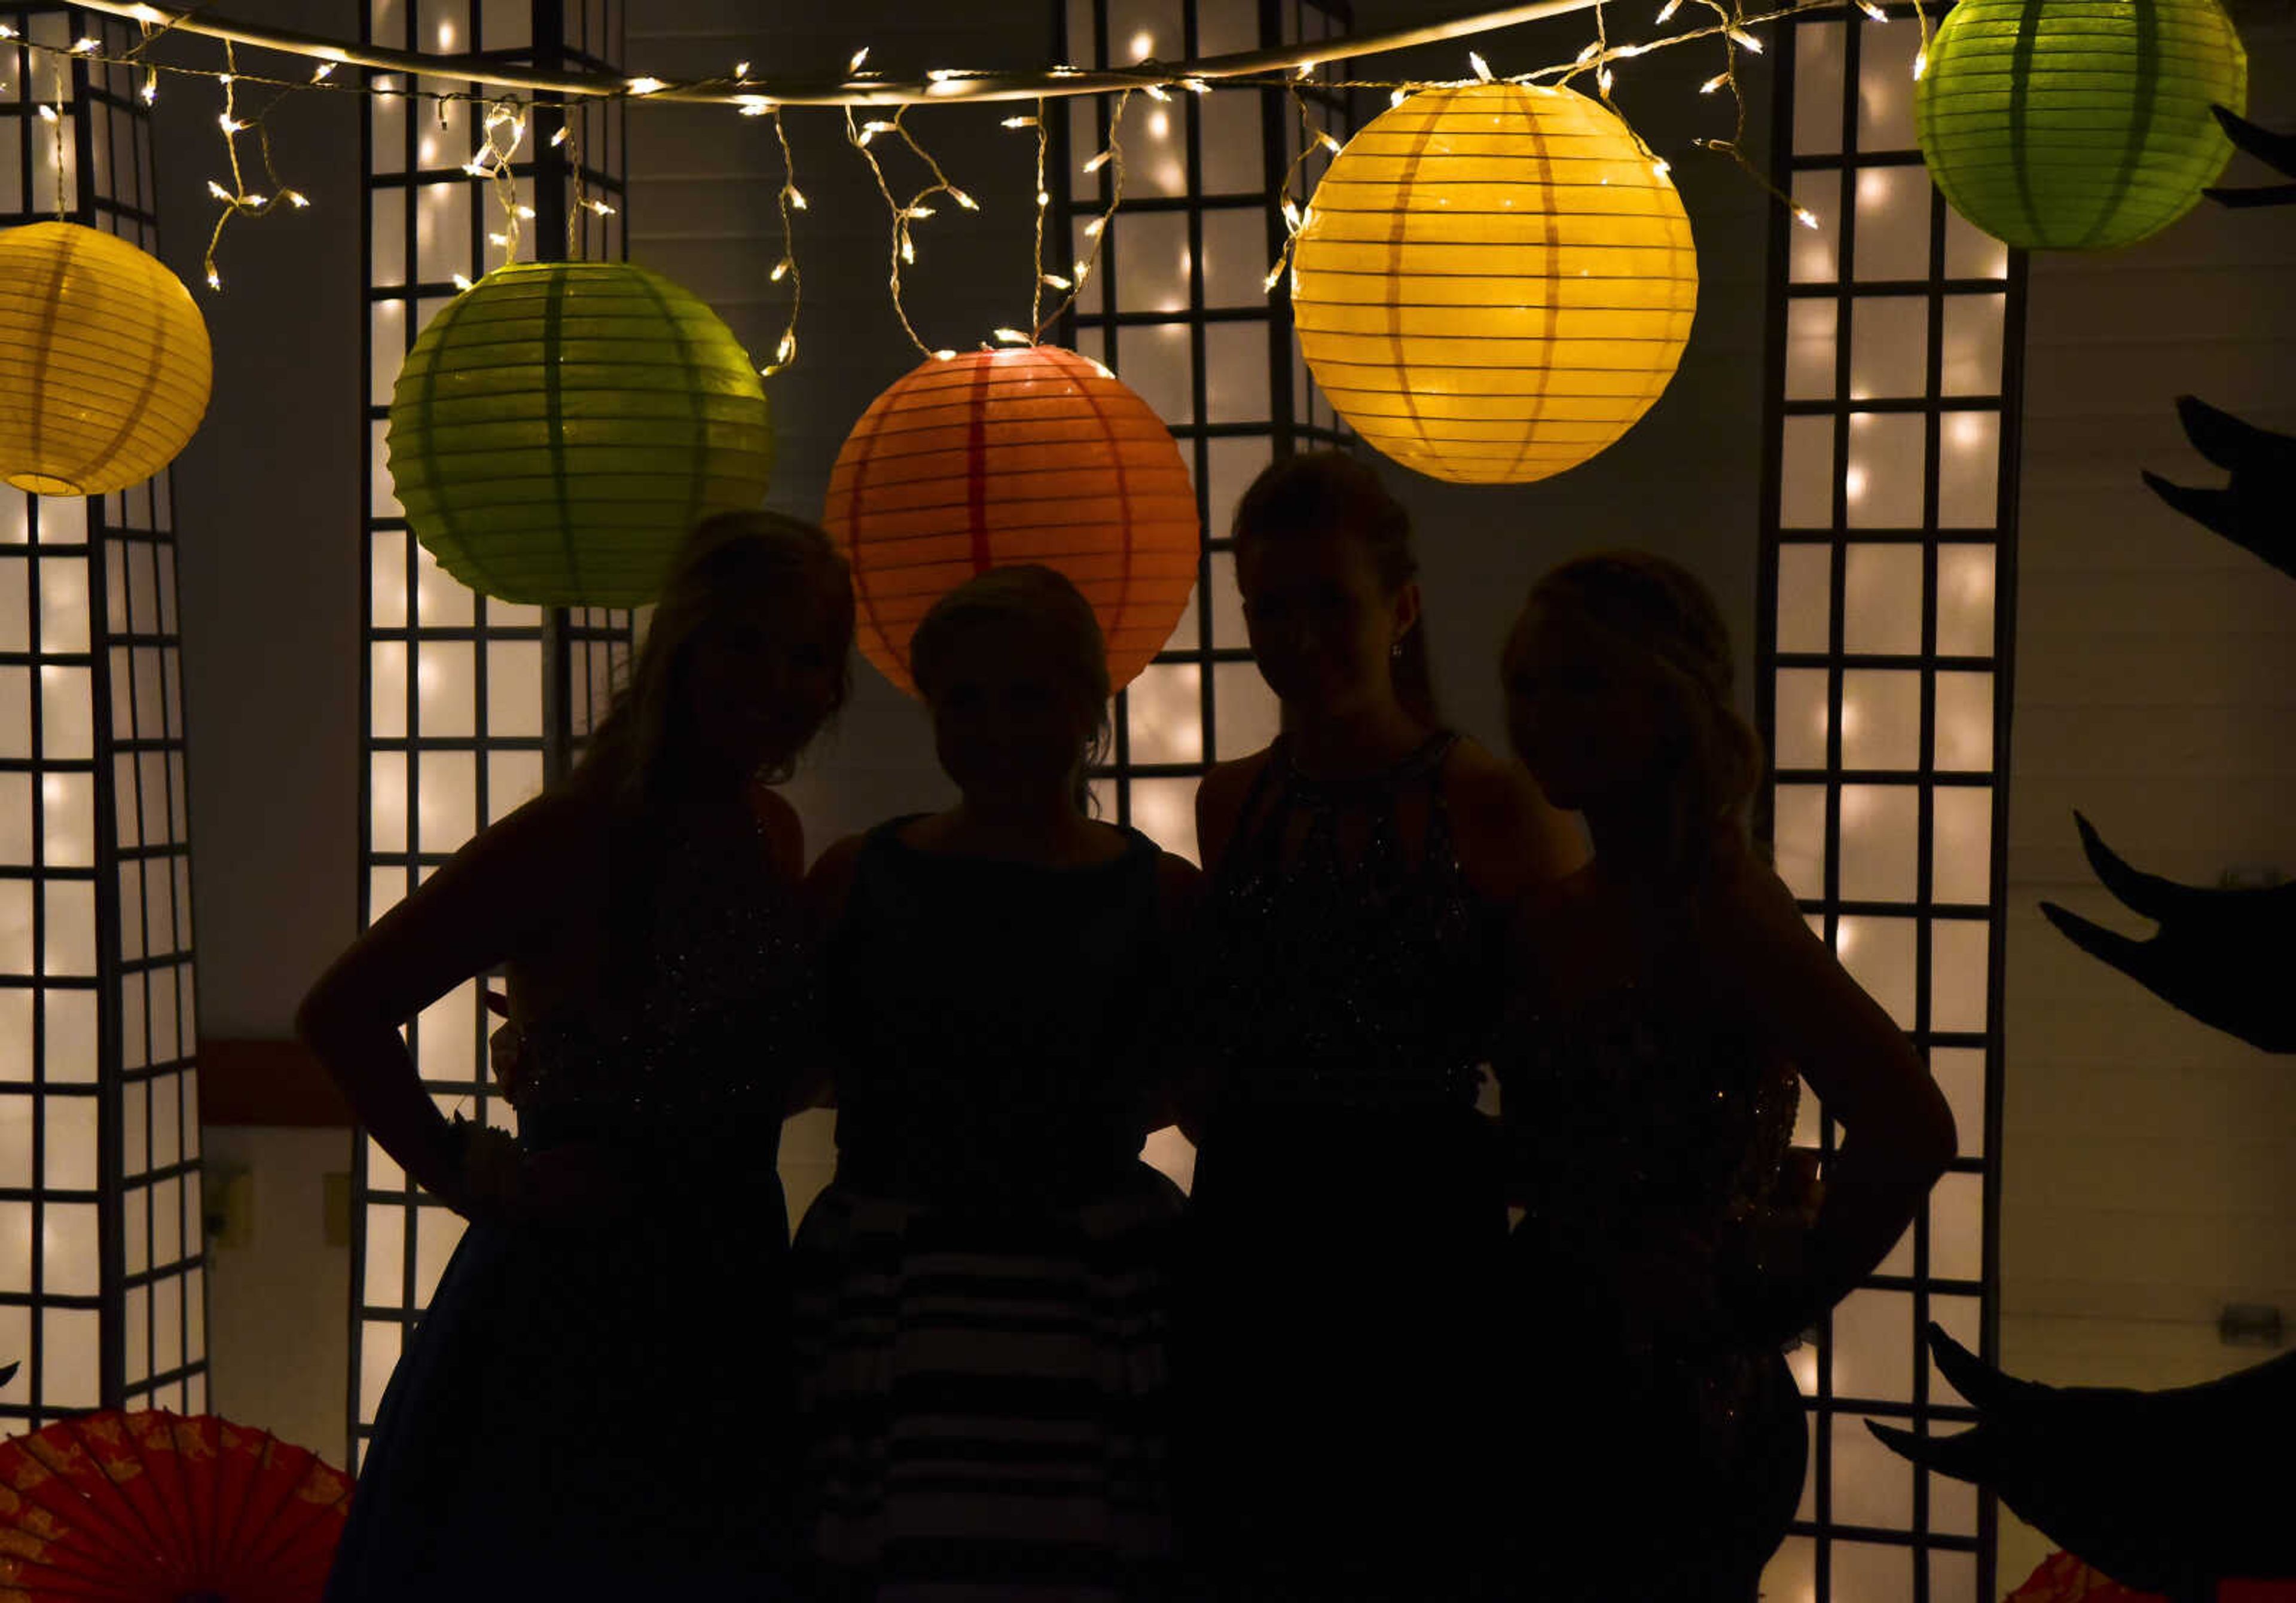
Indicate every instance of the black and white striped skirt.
{"type": "Point", "coordinates": [983, 1396]}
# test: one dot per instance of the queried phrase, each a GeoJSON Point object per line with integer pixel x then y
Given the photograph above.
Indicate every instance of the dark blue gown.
{"type": "Point", "coordinates": [603, 1412]}
{"type": "Point", "coordinates": [1642, 1128]}
{"type": "Point", "coordinates": [1347, 1221]}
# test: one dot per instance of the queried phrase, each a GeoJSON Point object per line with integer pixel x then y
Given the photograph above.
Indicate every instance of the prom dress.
{"type": "Point", "coordinates": [1347, 1222]}
{"type": "Point", "coordinates": [1643, 1131]}
{"type": "Point", "coordinates": [982, 1289]}
{"type": "Point", "coordinates": [602, 1411]}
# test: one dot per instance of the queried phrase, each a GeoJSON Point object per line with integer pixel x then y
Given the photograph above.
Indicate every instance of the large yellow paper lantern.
{"type": "Point", "coordinates": [559, 427]}
{"type": "Point", "coordinates": [1493, 281]}
{"type": "Point", "coordinates": [1035, 454]}
{"type": "Point", "coordinates": [104, 367]}
{"type": "Point", "coordinates": [2078, 125]}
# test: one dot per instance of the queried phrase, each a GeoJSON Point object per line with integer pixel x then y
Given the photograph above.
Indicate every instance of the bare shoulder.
{"type": "Point", "coordinates": [1758, 951]}
{"type": "Point", "coordinates": [522, 859]}
{"type": "Point", "coordinates": [830, 881]}
{"type": "Point", "coordinates": [1753, 915]}
{"type": "Point", "coordinates": [1220, 797]}
{"type": "Point", "coordinates": [1179, 890]}
{"type": "Point", "coordinates": [784, 831]}
{"type": "Point", "coordinates": [1510, 838]}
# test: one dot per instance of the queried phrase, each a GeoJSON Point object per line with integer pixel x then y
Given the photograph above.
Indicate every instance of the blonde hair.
{"type": "Point", "coordinates": [1040, 600]}
{"type": "Point", "coordinates": [730, 559]}
{"type": "Point", "coordinates": [1657, 611]}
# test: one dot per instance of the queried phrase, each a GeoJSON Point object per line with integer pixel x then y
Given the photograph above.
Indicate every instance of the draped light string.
{"type": "Point", "coordinates": [494, 161]}
{"type": "Point", "coordinates": [905, 215]}
{"type": "Point", "coordinates": [1096, 228]}
{"type": "Point", "coordinates": [1043, 203]}
{"type": "Point", "coordinates": [52, 114]}
{"type": "Point", "coordinates": [1312, 137]}
{"type": "Point", "coordinates": [787, 200]}
{"type": "Point", "coordinates": [238, 199]}
{"type": "Point", "coordinates": [507, 113]}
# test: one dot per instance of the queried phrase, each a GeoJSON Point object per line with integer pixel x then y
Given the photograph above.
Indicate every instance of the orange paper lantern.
{"type": "Point", "coordinates": [1034, 455]}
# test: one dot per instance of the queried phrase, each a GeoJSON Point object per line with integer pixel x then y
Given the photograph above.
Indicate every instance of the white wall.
{"type": "Point", "coordinates": [2149, 1163]}
{"type": "Point", "coordinates": [279, 1298]}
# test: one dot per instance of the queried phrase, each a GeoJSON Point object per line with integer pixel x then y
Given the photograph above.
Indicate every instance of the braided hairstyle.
{"type": "Point", "coordinates": [1658, 611]}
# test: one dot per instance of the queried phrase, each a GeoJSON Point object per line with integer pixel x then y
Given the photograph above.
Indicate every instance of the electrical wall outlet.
{"type": "Point", "coordinates": [227, 1192]}
{"type": "Point", "coordinates": [2250, 1325]}
{"type": "Point", "coordinates": [337, 1207]}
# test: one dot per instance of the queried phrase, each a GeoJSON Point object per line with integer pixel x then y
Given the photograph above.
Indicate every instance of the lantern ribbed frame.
{"type": "Point", "coordinates": [1031, 454]}
{"type": "Point", "coordinates": [560, 427]}
{"type": "Point", "coordinates": [2079, 125]}
{"type": "Point", "coordinates": [1494, 281]}
{"type": "Point", "coordinates": [104, 364]}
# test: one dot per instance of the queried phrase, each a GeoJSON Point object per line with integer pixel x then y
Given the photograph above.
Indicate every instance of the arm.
{"type": "Point", "coordinates": [469, 917]}
{"type": "Point", "coordinates": [824, 892]}
{"type": "Point", "coordinates": [1178, 1095]}
{"type": "Point", "coordinates": [1899, 1133]}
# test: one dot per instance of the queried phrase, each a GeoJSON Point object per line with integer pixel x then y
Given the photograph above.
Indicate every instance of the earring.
{"type": "Point", "coordinates": [1395, 652]}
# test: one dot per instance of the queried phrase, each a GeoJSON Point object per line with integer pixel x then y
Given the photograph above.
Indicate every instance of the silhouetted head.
{"type": "Point", "coordinates": [1617, 678]}
{"type": "Point", "coordinates": [1330, 587]}
{"type": "Point", "coordinates": [1012, 666]}
{"type": "Point", "coordinates": [748, 656]}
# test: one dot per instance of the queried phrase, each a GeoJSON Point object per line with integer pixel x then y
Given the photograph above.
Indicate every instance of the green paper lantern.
{"type": "Point", "coordinates": [560, 426]}
{"type": "Point", "coordinates": [2078, 125]}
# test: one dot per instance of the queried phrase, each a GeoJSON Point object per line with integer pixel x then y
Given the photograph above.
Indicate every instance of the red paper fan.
{"type": "Point", "coordinates": [2062, 1578]}
{"type": "Point", "coordinates": [155, 1508]}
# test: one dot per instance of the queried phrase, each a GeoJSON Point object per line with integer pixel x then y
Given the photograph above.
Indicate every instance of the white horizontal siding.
{"type": "Point", "coordinates": [2149, 1163]}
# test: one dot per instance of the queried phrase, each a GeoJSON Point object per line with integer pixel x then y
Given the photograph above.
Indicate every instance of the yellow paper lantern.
{"type": "Point", "coordinates": [104, 367]}
{"type": "Point", "coordinates": [1494, 281]}
{"type": "Point", "coordinates": [1035, 454]}
{"type": "Point", "coordinates": [2079, 125]}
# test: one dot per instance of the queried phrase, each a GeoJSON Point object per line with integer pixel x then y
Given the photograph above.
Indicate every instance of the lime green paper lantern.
{"type": "Point", "coordinates": [2079, 125]}
{"type": "Point", "coordinates": [560, 426]}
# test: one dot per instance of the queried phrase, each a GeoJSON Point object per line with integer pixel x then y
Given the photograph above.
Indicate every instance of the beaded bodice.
{"type": "Point", "coordinates": [699, 1038]}
{"type": "Point", "coordinates": [1000, 1029]}
{"type": "Point", "coordinates": [1639, 1110]}
{"type": "Point", "coordinates": [1360, 980]}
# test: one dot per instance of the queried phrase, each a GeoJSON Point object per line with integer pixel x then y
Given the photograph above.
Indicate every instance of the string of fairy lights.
{"type": "Point", "coordinates": [505, 99]}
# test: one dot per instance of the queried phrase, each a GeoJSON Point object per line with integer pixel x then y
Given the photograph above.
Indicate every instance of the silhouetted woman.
{"type": "Point", "coordinates": [982, 1288]}
{"type": "Point", "coordinates": [596, 1403]}
{"type": "Point", "coordinates": [1347, 1216]}
{"type": "Point", "coordinates": [1666, 997]}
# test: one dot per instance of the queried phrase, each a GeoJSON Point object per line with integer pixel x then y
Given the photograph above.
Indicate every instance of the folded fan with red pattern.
{"type": "Point", "coordinates": [2062, 1578]}
{"type": "Point", "coordinates": [157, 1508]}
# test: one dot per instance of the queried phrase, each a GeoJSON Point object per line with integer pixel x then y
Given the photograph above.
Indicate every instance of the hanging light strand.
{"type": "Point", "coordinates": [1095, 230]}
{"type": "Point", "coordinates": [785, 348]}
{"type": "Point", "coordinates": [52, 114]}
{"type": "Point", "coordinates": [905, 216]}
{"type": "Point", "coordinates": [496, 163]}
{"type": "Point", "coordinates": [238, 199]}
{"type": "Point", "coordinates": [1295, 212]}
{"type": "Point", "coordinates": [1044, 206]}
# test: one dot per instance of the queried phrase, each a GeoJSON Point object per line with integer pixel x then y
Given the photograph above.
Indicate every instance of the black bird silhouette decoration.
{"type": "Point", "coordinates": [2164, 1491]}
{"type": "Point", "coordinates": [2223, 956]}
{"type": "Point", "coordinates": [2275, 151]}
{"type": "Point", "coordinates": [2256, 510]}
